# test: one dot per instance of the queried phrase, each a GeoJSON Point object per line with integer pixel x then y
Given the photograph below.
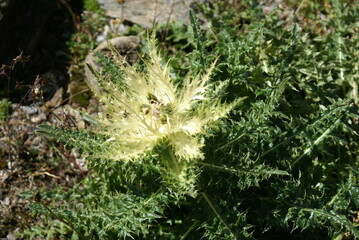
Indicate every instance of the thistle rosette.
{"type": "Point", "coordinates": [153, 110]}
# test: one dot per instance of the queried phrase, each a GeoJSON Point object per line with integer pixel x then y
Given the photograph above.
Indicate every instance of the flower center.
{"type": "Point", "coordinates": [156, 108]}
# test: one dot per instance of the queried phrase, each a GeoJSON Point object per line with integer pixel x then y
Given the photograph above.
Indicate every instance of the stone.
{"type": "Point", "coordinates": [146, 13]}
{"type": "Point", "coordinates": [39, 118]}
{"type": "Point", "coordinates": [127, 46]}
{"type": "Point", "coordinates": [11, 236]}
{"type": "Point", "coordinates": [30, 110]}
{"type": "Point", "coordinates": [55, 101]}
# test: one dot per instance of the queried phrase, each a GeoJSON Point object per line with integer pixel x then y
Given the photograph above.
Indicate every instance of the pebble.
{"type": "Point", "coordinates": [30, 110]}
{"type": "Point", "coordinates": [10, 236]}
{"type": "Point", "coordinates": [39, 118]}
{"type": "Point", "coordinates": [6, 201]}
{"type": "Point", "coordinates": [3, 175]}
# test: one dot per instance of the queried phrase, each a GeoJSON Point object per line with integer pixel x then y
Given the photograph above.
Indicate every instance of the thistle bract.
{"type": "Point", "coordinates": [154, 110]}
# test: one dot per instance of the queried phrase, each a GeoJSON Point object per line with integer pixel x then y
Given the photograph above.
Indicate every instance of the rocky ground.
{"type": "Point", "coordinates": [30, 162]}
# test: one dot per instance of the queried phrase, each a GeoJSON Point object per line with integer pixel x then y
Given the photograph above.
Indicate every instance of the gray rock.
{"type": "Point", "coordinates": [126, 46]}
{"type": "Point", "coordinates": [11, 236]}
{"type": "Point", "coordinates": [39, 118]}
{"type": "Point", "coordinates": [148, 12]}
{"type": "Point", "coordinates": [30, 110]}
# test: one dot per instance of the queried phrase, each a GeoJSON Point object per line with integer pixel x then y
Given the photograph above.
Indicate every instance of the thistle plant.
{"type": "Point", "coordinates": [148, 110]}
{"type": "Point", "coordinates": [282, 166]}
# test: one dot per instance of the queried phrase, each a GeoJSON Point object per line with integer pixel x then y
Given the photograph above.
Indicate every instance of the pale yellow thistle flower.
{"type": "Point", "coordinates": [154, 110]}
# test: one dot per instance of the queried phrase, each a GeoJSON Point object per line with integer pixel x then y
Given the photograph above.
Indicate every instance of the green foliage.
{"type": "Point", "coordinates": [80, 44]}
{"type": "Point", "coordinates": [282, 166]}
{"type": "Point", "coordinates": [197, 36]}
{"type": "Point", "coordinates": [83, 140]}
{"type": "Point", "coordinates": [83, 40]}
{"type": "Point", "coordinates": [5, 105]}
{"type": "Point", "coordinates": [92, 6]}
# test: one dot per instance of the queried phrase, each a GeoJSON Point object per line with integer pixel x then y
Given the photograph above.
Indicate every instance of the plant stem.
{"type": "Point", "coordinates": [189, 230]}
{"type": "Point", "coordinates": [63, 221]}
{"type": "Point", "coordinates": [204, 195]}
